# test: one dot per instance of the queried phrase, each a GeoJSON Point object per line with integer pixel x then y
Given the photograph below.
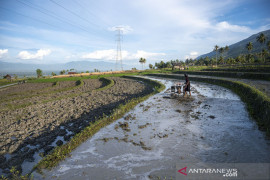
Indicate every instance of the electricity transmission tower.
{"type": "Point", "coordinates": [119, 39]}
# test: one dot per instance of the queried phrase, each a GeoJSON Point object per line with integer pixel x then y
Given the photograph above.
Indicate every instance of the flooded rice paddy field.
{"type": "Point", "coordinates": [28, 133]}
{"type": "Point", "coordinates": [211, 126]}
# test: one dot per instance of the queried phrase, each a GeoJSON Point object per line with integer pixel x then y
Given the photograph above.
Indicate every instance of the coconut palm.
{"type": "Point", "coordinates": [221, 51]}
{"type": "Point", "coordinates": [268, 45]}
{"type": "Point", "coordinates": [261, 39]}
{"type": "Point", "coordinates": [264, 53]}
{"type": "Point", "coordinates": [142, 61]}
{"type": "Point", "coordinates": [216, 49]}
{"type": "Point", "coordinates": [226, 49]}
{"type": "Point", "coordinates": [249, 47]}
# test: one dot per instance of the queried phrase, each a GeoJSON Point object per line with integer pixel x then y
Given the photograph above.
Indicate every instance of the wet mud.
{"type": "Point", "coordinates": [211, 126]}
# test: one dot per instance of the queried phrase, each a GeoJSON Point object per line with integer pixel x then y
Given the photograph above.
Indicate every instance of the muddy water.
{"type": "Point", "coordinates": [211, 126]}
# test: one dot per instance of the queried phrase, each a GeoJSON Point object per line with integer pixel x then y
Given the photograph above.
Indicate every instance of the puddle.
{"type": "Point", "coordinates": [212, 125]}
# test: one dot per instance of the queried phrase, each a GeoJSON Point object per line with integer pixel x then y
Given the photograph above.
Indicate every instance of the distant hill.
{"type": "Point", "coordinates": [240, 47]}
{"type": "Point", "coordinates": [77, 65]}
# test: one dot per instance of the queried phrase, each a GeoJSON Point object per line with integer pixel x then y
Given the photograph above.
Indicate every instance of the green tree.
{"type": "Point", "coordinates": [216, 49]}
{"type": "Point", "coordinates": [62, 72]}
{"type": "Point", "coordinates": [206, 61]}
{"type": "Point", "coordinates": [249, 47]}
{"type": "Point", "coordinates": [261, 39]}
{"type": "Point", "coordinates": [226, 49]}
{"type": "Point", "coordinates": [53, 74]}
{"type": "Point", "coordinates": [142, 61]}
{"type": "Point", "coordinates": [39, 73]}
{"type": "Point", "coordinates": [231, 61]}
{"type": "Point", "coordinates": [220, 60]}
{"type": "Point", "coordinates": [151, 66]}
{"type": "Point", "coordinates": [268, 45]}
{"type": "Point", "coordinates": [221, 51]}
{"type": "Point", "coordinates": [264, 53]}
{"type": "Point", "coordinates": [212, 61]}
{"type": "Point", "coordinates": [168, 64]}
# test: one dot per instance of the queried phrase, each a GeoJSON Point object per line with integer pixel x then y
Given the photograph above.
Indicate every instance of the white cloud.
{"type": "Point", "coordinates": [101, 54]}
{"type": "Point", "coordinates": [124, 28]}
{"type": "Point", "coordinates": [235, 28]}
{"type": "Point", "coordinates": [38, 55]}
{"type": "Point", "coordinates": [192, 55]}
{"type": "Point", "coordinates": [110, 54]}
{"type": "Point", "coordinates": [145, 54]}
{"type": "Point", "coordinates": [3, 52]}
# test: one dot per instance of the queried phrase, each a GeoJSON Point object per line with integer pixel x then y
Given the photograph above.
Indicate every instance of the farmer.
{"type": "Point", "coordinates": [187, 86]}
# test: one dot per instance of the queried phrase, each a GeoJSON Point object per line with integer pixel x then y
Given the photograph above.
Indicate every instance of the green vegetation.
{"type": "Point", "coordinates": [108, 84]}
{"type": "Point", "coordinates": [39, 73]}
{"type": "Point", "coordinates": [61, 152]}
{"type": "Point", "coordinates": [62, 72]}
{"type": "Point", "coordinates": [15, 175]}
{"type": "Point", "coordinates": [261, 39]}
{"type": "Point", "coordinates": [6, 82]}
{"type": "Point", "coordinates": [142, 61]}
{"type": "Point", "coordinates": [53, 80]}
{"type": "Point", "coordinates": [244, 75]}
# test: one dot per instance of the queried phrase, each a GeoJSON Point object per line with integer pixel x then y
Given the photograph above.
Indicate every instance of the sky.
{"type": "Point", "coordinates": [60, 31]}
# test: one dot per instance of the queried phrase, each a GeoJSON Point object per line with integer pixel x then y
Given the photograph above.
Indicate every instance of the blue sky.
{"type": "Point", "coordinates": [59, 31]}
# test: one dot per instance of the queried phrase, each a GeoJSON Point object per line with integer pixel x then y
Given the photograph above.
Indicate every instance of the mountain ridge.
{"type": "Point", "coordinates": [77, 65]}
{"type": "Point", "coordinates": [240, 47]}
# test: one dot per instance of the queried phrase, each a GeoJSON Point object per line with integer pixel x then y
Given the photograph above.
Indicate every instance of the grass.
{"type": "Point", "coordinates": [108, 84]}
{"type": "Point", "coordinates": [243, 75]}
{"type": "Point", "coordinates": [61, 152]}
{"type": "Point", "coordinates": [53, 80]}
{"type": "Point", "coordinates": [6, 82]}
{"type": "Point", "coordinates": [15, 175]}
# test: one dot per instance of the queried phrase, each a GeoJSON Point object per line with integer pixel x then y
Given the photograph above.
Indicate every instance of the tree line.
{"type": "Point", "coordinates": [243, 58]}
{"type": "Point", "coordinates": [219, 59]}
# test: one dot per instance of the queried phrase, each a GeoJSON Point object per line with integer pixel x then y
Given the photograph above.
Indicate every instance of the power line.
{"type": "Point", "coordinates": [72, 12]}
{"type": "Point", "coordinates": [38, 20]}
{"type": "Point", "coordinates": [51, 14]}
{"type": "Point", "coordinates": [87, 10]}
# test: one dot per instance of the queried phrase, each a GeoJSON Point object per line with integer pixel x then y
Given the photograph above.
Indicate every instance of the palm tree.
{"type": "Point", "coordinates": [216, 49]}
{"type": "Point", "coordinates": [226, 50]}
{"type": "Point", "coordinates": [249, 47]}
{"type": "Point", "coordinates": [221, 51]}
{"type": "Point", "coordinates": [142, 61]}
{"type": "Point", "coordinates": [264, 53]}
{"type": "Point", "coordinates": [261, 39]}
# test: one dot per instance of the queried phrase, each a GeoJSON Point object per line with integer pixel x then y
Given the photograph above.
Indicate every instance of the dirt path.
{"type": "Point", "coordinates": [211, 126]}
